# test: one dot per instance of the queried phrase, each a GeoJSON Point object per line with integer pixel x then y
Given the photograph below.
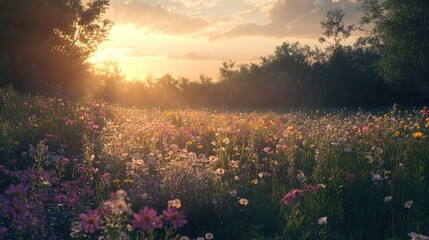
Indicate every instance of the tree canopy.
{"type": "Point", "coordinates": [398, 31]}
{"type": "Point", "coordinates": [44, 45]}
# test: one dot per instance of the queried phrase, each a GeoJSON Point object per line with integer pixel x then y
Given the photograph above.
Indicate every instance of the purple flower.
{"type": "Point", "coordinates": [89, 222]}
{"type": "Point", "coordinates": [175, 217]}
{"type": "Point", "coordinates": [18, 208]}
{"type": "Point", "coordinates": [4, 205]}
{"type": "Point", "coordinates": [146, 219]}
{"type": "Point", "coordinates": [17, 190]}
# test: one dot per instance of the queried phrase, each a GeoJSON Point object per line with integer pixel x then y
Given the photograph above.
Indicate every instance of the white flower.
{"type": "Point", "coordinates": [176, 203]}
{"type": "Point", "coordinates": [121, 194]}
{"type": "Point", "coordinates": [233, 193]}
{"type": "Point", "coordinates": [388, 199]}
{"type": "Point", "coordinates": [376, 177]}
{"type": "Point", "coordinates": [417, 236]}
{"type": "Point", "coordinates": [225, 140]}
{"type": "Point", "coordinates": [119, 206]}
{"type": "Point", "coordinates": [220, 171]}
{"type": "Point", "coordinates": [145, 195]}
{"type": "Point", "coordinates": [322, 221]}
{"type": "Point", "coordinates": [301, 176]}
{"type": "Point", "coordinates": [243, 201]}
{"type": "Point", "coordinates": [209, 236]}
{"type": "Point", "coordinates": [408, 204]}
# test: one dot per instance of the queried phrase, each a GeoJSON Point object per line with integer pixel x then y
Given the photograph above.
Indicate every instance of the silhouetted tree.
{"type": "Point", "coordinates": [44, 45]}
{"type": "Point", "coordinates": [334, 29]}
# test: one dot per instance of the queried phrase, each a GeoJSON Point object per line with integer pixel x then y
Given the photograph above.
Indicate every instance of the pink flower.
{"type": "Point", "coordinates": [145, 219]}
{"type": "Point", "coordinates": [292, 196]}
{"type": "Point", "coordinates": [175, 217]}
{"type": "Point", "coordinates": [17, 190]}
{"type": "Point", "coordinates": [311, 188]}
{"type": "Point", "coordinates": [89, 222]}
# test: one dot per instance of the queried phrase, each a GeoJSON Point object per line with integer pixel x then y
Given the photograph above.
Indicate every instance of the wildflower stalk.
{"type": "Point", "coordinates": [41, 153]}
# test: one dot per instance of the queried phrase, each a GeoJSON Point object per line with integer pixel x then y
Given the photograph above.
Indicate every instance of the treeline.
{"type": "Point", "coordinates": [388, 64]}
{"type": "Point", "coordinates": [294, 75]}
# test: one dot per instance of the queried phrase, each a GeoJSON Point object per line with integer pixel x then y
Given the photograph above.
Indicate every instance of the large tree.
{"type": "Point", "coordinates": [45, 44]}
{"type": "Point", "coordinates": [398, 31]}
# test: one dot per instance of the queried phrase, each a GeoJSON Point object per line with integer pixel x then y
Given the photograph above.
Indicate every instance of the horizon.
{"type": "Point", "coordinates": [187, 38]}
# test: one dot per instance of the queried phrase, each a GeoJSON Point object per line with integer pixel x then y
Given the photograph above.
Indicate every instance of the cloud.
{"type": "Point", "coordinates": [194, 3]}
{"type": "Point", "coordinates": [195, 57]}
{"type": "Point", "coordinates": [290, 18]}
{"type": "Point", "coordinates": [156, 18]}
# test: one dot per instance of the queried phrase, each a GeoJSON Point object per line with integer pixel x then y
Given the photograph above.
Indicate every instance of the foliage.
{"type": "Point", "coordinates": [44, 45]}
{"type": "Point", "coordinates": [399, 33]}
{"type": "Point", "coordinates": [334, 28]}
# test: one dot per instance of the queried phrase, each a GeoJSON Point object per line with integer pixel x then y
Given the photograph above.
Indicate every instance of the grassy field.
{"type": "Point", "coordinates": [89, 170]}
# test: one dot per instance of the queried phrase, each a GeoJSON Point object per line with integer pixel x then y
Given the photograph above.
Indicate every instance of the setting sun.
{"type": "Point", "coordinates": [189, 38]}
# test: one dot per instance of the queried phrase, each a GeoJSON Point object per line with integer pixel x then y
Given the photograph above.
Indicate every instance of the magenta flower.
{"type": "Point", "coordinates": [175, 217]}
{"type": "Point", "coordinates": [292, 196]}
{"type": "Point", "coordinates": [89, 222]}
{"type": "Point", "coordinates": [146, 219]}
{"type": "Point", "coordinates": [17, 190]}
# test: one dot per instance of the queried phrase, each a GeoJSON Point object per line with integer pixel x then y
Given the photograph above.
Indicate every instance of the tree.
{"type": "Point", "coordinates": [46, 44]}
{"type": "Point", "coordinates": [334, 28]}
{"type": "Point", "coordinates": [398, 30]}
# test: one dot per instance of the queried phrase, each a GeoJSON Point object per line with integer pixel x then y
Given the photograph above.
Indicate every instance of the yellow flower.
{"type": "Point", "coordinates": [397, 133]}
{"type": "Point", "coordinates": [200, 146]}
{"type": "Point", "coordinates": [188, 143]}
{"type": "Point", "coordinates": [290, 128]}
{"type": "Point", "coordinates": [16, 142]}
{"type": "Point", "coordinates": [116, 181]}
{"type": "Point", "coordinates": [254, 181]}
{"type": "Point", "coordinates": [402, 122]}
{"type": "Point", "coordinates": [128, 180]}
{"type": "Point", "coordinates": [418, 135]}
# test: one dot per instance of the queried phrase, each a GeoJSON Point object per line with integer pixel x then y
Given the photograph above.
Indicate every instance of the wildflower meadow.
{"type": "Point", "coordinates": [84, 169]}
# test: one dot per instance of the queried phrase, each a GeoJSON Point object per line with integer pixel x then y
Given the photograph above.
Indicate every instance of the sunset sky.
{"type": "Point", "coordinates": [192, 37]}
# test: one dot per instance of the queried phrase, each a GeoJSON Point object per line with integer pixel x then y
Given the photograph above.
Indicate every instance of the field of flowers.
{"type": "Point", "coordinates": [89, 170]}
